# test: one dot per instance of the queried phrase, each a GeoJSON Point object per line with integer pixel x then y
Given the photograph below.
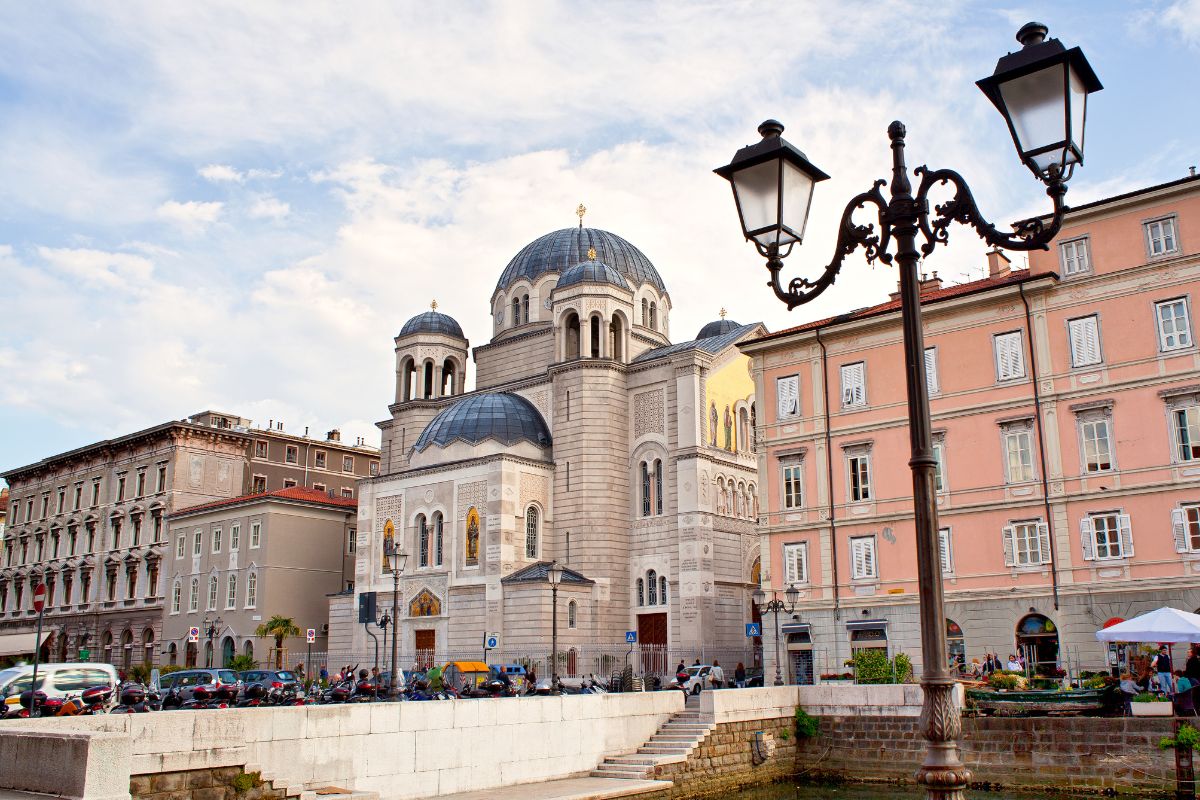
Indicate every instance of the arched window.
{"type": "Point", "coordinates": [571, 330]}
{"type": "Point", "coordinates": [231, 592]}
{"type": "Point", "coordinates": [662, 590]}
{"type": "Point", "coordinates": [148, 646]}
{"type": "Point", "coordinates": [516, 311]}
{"type": "Point", "coordinates": [645, 489]}
{"type": "Point", "coordinates": [525, 308]}
{"type": "Point", "coordinates": [651, 588]}
{"type": "Point", "coordinates": [173, 654]}
{"type": "Point", "coordinates": [531, 532]}
{"type": "Point", "coordinates": [572, 614]}
{"type": "Point", "coordinates": [194, 597]}
{"type": "Point", "coordinates": [227, 651]}
{"type": "Point", "coordinates": [437, 538]}
{"type": "Point", "coordinates": [251, 590]}
{"type": "Point", "coordinates": [616, 338]}
{"type": "Point", "coordinates": [658, 487]}
{"type": "Point", "coordinates": [176, 595]}
{"type": "Point", "coordinates": [127, 649]}
{"type": "Point", "coordinates": [654, 316]}
{"type": "Point", "coordinates": [428, 382]}
{"type": "Point", "coordinates": [645, 312]}
{"type": "Point", "coordinates": [248, 648]}
{"type": "Point", "coordinates": [641, 590]}
{"type": "Point", "coordinates": [212, 593]}
{"type": "Point", "coordinates": [422, 541]}
{"type": "Point", "coordinates": [408, 373]}
{"type": "Point", "coordinates": [743, 437]}
{"type": "Point", "coordinates": [595, 331]}
{"type": "Point", "coordinates": [720, 495]}
{"type": "Point", "coordinates": [449, 382]}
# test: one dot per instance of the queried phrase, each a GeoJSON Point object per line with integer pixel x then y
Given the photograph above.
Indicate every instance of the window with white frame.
{"type": "Point", "coordinates": [795, 563]}
{"type": "Point", "coordinates": [318, 487]}
{"type": "Point", "coordinates": [854, 385]}
{"type": "Point", "coordinates": [858, 469]}
{"type": "Point", "coordinates": [531, 532]}
{"type": "Point", "coordinates": [235, 536]}
{"type": "Point", "coordinates": [216, 540]}
{"type": "Point", "coordinates": [197, 542]}
{"type": "Point", "coordinates": [291, 454]}
{"type": "Point", "coordinates": [1160, 237]}
{"type": "Point", "coordinates": [1074, 256]}
{"type": "Point", "coordinates": [231, 592]}
{"type": "Point", "coordinates": [939, 469]}
{"type": "Point", "coordinates": [194, 596]}
{"type": "Point", "coordinates": [176, 596]}
{"type": "Point", "coordinates": [945, 551]}
{"type": "Point", "coordinates": [255, 534]}
{"type": "Point", "coordinates": [212, 593]}
{"type": "Point", "coordinates": [1185, 424]}
{"type": "Point", "coordinates": [572, 614]}
{"type": "Point", "coordinates": [347, 491]}
{"type": "Point", "coordinates": [787, 395]}
{"type": "Point", "coordinates": [374, 468]}
{"type": "Point", "coordinates": [260, 448]}
{"type": "Point", "coordinates": [1095, 438]}
{"type": "Point", "coordinates": [1027, 543]}
{"type": "Point", "coordinates": [862, 558]}
{"type": "Point", "coordinates": [1174, 325]}
{"type": "Point", "coordinates": [351, 541]}
{"type": "Point", "coordinates": [1083, 334]}
{"type": "Point", "coordinates": [251, 590]}
{"type": "Point", "coordinates": [1010, 355]}
{"type": "Point", "coordinates": [320, 459]}
{"type": "Point", "coordinates": [180, 546]}
{"type": "Point", "coordinates": [1018, 451]}
{"type": "Point", "coordinates": [288, 483]}
{"type": "Point", "coordinates": [932, 383]}
{"type": "Point", "coordinates": [1185, 525]}
{"type": "Point", "coordinates": [1106, 535]}
{"type": "Point", "coordinates": [793, 484]}
{"type": "Point", "coordinates": [347, 463]}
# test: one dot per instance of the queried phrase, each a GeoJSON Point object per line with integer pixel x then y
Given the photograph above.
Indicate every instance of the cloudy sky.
{"type": "Point", "coordinates": [237, 205]}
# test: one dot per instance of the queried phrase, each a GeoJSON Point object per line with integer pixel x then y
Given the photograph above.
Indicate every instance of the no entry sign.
{"type": "Point", "coordinates": [39, 598]}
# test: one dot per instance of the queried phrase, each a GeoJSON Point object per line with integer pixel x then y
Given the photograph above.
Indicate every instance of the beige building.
{"type": "Point", "coordinates": [589, 439]}
{"type": "Point", "coordinates": [233, 564]}
{"type": "Point", "coordinates": [90, 524]}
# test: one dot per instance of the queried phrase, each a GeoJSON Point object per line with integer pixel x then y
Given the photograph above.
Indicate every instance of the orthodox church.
{"type": "Point", "coordinates": [589, 440]}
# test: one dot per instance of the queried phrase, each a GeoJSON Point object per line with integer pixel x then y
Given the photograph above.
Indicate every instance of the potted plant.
{"type": "Point", "coordinates": [1150, 705]}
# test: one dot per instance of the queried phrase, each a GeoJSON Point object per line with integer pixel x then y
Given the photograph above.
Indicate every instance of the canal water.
{"type": "Point", "coordinates": [787, 791]}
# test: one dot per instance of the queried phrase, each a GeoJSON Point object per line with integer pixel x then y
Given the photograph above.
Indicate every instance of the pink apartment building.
{"type": "Point", "coordinates": [1066, 410]}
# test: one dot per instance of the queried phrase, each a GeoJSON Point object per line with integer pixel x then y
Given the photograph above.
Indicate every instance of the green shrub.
{"type": "Point", "coordinates": [807, 726]}
{"type": "Point", "coordinates": [873, 666]}
{"type": "Point", "coordinates": [1096, 682]}
{"type": "Point", "coordinates": [1006, 680]}
{"type": "Point", "coordinates": [1187, 738]}
{"type": "Point", "coordinates": [241, 662]}
{"type": "Point", "coordinates": [169, 668]}
{"type": "Point", "coordinates": [784, 735]}
{"type": "Point", "coordinates": [246, 781]}
{"type": "Point", "coordinates": [139, 673]}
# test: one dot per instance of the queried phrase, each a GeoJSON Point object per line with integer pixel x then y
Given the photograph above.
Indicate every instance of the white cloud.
{"type": "Point", "coordinates": [192, 216]}
{"type": "Point", "coordinates": [114, 270]}
{"type": "Point", "coordinates": [1183, 17]}
{"type": "Point", "coordinates": [268, 207]}
{"type": "Point", "coordinates": [221, 173]}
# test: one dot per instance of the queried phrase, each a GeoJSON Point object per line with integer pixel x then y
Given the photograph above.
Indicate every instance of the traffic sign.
{"type": "Point", "coordinates": [193, 634]}
{"type": "Point", "coordinates": [753, 629]}
{"type": "Point", "coordinates": [630, 637]}
{"type": "Point", "coordinates": [39, 598]}
{"type": "Point", "coordinates": [84, 654]}
{"type": "Point", "coordinates": [491, 641]}
{"type": "Point", "coordinates": [311, 635]}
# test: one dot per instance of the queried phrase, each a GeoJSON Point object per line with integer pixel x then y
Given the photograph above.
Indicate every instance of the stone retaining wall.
{"type": "Point", "coordinates": [725, 761]}
{"type": "Point", "coordinates": [200, 784]}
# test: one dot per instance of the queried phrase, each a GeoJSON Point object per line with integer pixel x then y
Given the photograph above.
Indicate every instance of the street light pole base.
{"type": "Point", "coordinates": [943, 774]}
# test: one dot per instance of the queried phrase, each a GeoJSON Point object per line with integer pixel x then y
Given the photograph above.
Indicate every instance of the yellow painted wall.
{"type": "Point", "coordinates": [725, 387]}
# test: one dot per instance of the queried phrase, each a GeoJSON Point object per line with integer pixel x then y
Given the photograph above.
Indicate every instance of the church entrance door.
{"type": "Point", "coordinates": [426, 644]}
{"type": "Point", "coordinates": [652, 636]}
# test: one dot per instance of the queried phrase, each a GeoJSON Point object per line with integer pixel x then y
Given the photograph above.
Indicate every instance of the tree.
{"type": "Point", "coordinates": [280, 628]}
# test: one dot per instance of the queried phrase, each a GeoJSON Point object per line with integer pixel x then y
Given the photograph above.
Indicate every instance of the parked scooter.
{"type": "Point", "coordinates": [134, 700]}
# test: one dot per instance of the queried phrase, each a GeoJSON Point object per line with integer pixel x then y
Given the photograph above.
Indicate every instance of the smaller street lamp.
{"type": "Point", "coordinates": [211, 628]}
{"type": "Point", "coordinates": [554, 574]}
{"type": "Point", "coordinates": [397, 559]}
{"type": "Point", "coordinates": [776, 606]}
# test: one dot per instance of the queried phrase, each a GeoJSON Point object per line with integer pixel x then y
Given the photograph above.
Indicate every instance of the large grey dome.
{"type": "Point", "coordinates": [433, 322]}
{"type": "Point", "coordinates": [508, 418]}
{"type": "Point", "coordinates": [561, 250]}
{"type": "Point", "coordinates": [717, 327]}
{"type": "Point", "coordinates": [591, 272]}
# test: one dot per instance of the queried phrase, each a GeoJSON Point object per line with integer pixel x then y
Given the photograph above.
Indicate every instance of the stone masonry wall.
{"type": "Point", "coordinates": [201, 784]}
{"type": "Point", "coordinates": [725, 760]}
{"type": "Point", "coordinates": [1093, 753]}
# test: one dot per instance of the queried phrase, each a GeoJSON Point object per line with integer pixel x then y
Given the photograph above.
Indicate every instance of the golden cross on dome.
{"type": "Point", "coordinates": [433, 305]}
{"type": "Point", "coordinates": [579, 212]}
{"type": "Point", "coordinates": [591, 254]}
{"type": "Point", "coordinates": [723, 313]}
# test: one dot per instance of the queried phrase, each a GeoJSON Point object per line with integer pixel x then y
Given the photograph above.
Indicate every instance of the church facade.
{"type": "Point", "coordinates": [589, 440]}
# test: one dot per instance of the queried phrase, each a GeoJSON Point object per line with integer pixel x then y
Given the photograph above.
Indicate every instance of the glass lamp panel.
{"type": "Point", "coordinates": [797, 194]}
{"type": "Point", "coordinates": [757, 191]}
{"type": "Point", "coordinates": [1037, 106]}
{"type": "Point", "coordinates": [1078, 99]}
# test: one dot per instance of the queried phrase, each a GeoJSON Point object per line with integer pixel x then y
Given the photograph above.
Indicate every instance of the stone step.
{"type": "Point", "coordinates": [614, 771]}
{"type": "Point", "coordinates": [668, 738]}
{"type": "Point", "coordinates": [697, 728]}
{"type": "Point", "coordinates": [666, 750]}
{"type": "Point", "coordinates": [633, 760]}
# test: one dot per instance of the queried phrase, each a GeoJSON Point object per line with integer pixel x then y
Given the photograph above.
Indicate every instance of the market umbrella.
{"type": "Point", "coordinates": [1163, 625]}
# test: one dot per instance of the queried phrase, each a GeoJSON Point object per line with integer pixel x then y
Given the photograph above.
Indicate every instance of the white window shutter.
{"type": "Point", "coordinates": [1126, 530]}
{"type": "Point", "coordinates": [857, 555]}
{"type": "Point", "coordinates": [1044, 539]}
{"type": "Point", "coordinates": [869, 559]}
{"type": "Point", "coordinates": [1010, 534]}
{"type": "Point", "coordinates": [931, 374]}
{"type": "Point", "coordinates": [788, 396]}
{"type": "Point", "coordinates": [1179, 529]}
{"type": "Point", "coordinates": [944, 550]}
{"type": "Point", "coordinates": [1087, 538]}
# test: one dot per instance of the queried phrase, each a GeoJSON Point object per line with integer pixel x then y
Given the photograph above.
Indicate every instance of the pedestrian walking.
{"type": "Point", "coordinates": [1162, 668]}
{"type": "Point", "coordinates": [716, 675]}
{"type": "Point", "coordinates": [739, 675]}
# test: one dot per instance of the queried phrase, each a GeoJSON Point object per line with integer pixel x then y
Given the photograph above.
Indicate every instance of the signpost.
{"type": "Point", "coordinates": [490, 642]}
{"type": "Point", "coordinates": [193, 634]}
{"type": "Point", "coordinates": [310, 636]}
{"type": "Point", "coordinates": [631, 640]}
{"type": "Point", "coordinates": [39, 605]}
{"type": "Point", "coordinates": [753, 629]}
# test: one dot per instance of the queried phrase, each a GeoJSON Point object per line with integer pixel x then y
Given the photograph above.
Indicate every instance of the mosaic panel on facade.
{"type": "Point", "coordinates": [648, 413]}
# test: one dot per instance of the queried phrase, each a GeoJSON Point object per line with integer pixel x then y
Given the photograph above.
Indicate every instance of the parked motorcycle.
{"type": "Point", "coordinates": [133, 700]}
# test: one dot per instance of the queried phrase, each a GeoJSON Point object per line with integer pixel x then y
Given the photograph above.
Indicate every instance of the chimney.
{"type": "Point", "coordinates": [333, 436]}
{"type": "Point", "coordinates": [928, 285]}
{"type": "Point", "coordinates": [270, 424]}
{"type": "Point", "coordinates": [1192, 171]}
{"type": "Point", "coordinates": [279, 425]}
{"type": "Point", "coordinates": [306, 431]}
{"type": "Point", "coordinates": [998, 263]}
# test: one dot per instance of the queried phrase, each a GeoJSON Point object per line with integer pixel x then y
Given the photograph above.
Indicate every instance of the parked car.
{"type": "Point", "coordinates": [271, 678]}
{"type": "Point", "coordinates": [696, 681]}
{"type": "Point", "coordinates": [225, 681]}
{"type": "Point", "coordinates": [56, 680]}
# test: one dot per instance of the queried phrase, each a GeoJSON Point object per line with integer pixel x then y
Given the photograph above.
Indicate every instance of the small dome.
{"type": "Point", "coordinates": [717, 327]}
{"type": "Point", "coordinates": [591, 272]}
{"type": "Point", "coordinates": [433, 322]}
{"type": "Point", "coordinates": [508, 418]}
{"type": "Point", "coordinates": [562, 249]}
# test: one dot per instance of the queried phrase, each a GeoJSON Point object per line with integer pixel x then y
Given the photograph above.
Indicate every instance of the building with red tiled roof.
{"type": "Point", "coordinates": [1065, 401]}
{"type": "Point", "coordinates": [232, 564]}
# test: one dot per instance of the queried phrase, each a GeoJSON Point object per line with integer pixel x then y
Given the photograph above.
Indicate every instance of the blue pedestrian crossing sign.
{"type": "Point", "coordinates": [753, 629]}
{"type": "Point", "coordinates": [630, 637]}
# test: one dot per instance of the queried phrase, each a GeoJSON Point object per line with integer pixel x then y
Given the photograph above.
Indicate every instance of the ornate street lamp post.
{"type": "Point", "coordinates": [1041, 90]}
{"type": "Point", "coordinates": [397, 560]}
{"type": "Point", "coordinates": [776, 606]}
{"type": "Point", "coordinates": [211, 628]}
{"type": "Point", "coordinates": [554, 575]}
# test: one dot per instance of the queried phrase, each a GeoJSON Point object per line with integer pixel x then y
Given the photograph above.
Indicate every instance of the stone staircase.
{"type": "Point", "coordinates": [671, 744]}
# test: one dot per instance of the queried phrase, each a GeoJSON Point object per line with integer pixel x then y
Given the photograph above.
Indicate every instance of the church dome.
{"type": "Point", "coordinates": [433, 322]}
{"type": "Point", "coordinates": [717, 327]}
{"type": "Point", "coordinates": [563, 249]}
{"type": "Point", "coordinates": [591, 272]}
{"type": "Point", "coordinates": [507, 418]}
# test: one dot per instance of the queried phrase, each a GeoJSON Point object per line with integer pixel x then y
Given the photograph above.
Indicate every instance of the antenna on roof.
{"type": "Point", "coordinates": [579, 212]}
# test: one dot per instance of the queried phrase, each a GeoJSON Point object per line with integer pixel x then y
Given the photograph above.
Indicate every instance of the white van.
{"type": "Point", "coordinates": [56, 680]}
